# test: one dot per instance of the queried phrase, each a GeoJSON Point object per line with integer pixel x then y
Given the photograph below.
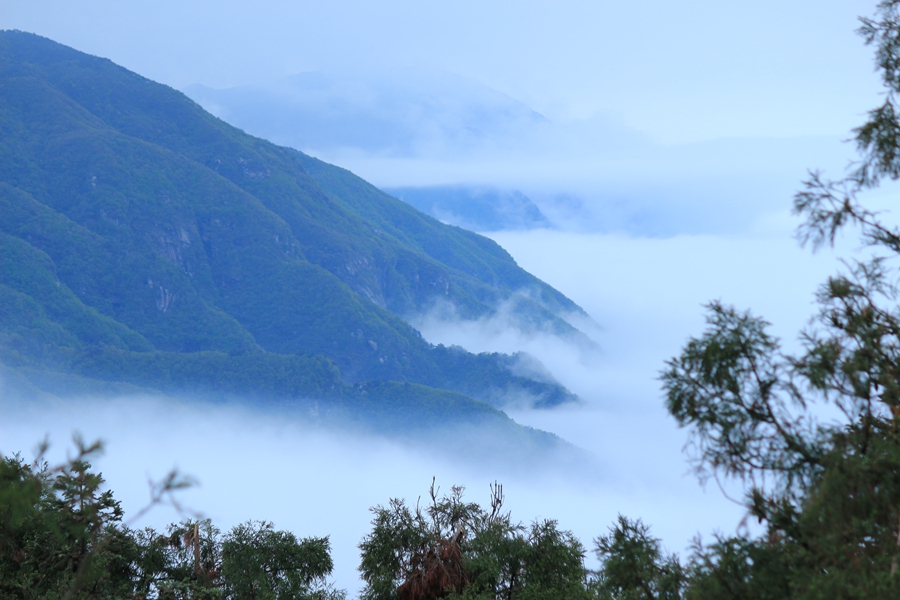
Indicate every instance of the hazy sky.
{"type": "Point", "coordinates": [681, 71]}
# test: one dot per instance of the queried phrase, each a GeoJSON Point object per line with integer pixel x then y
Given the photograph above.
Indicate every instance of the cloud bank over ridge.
{"type": "Point", "coordinates": [435, 130]}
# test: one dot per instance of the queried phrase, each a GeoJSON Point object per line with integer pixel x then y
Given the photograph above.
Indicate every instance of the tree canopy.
{"type": "Point", "coordinates": [62, 536]}
{"type": "Point", "coordinates": [826, 490]}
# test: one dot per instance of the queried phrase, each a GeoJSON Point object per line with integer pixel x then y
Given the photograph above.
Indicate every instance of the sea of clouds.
{"type": "Point", "coordinates": [643, 235]}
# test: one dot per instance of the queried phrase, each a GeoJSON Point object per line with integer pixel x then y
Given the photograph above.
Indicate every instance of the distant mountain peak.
{"type": "Point", "coordinates": [398, 113]}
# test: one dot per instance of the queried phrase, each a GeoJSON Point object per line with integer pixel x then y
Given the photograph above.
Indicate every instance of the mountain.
{"type": "Point", "coordinates": [477, 208]}
{"type": "Point", "coordinates": [145, 242]}
{"type": "Point", "coordinates": [406, 112]}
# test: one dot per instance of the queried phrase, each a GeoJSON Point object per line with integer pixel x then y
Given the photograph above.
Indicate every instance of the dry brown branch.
{"type": "Point", "coordinates": [436, 571]}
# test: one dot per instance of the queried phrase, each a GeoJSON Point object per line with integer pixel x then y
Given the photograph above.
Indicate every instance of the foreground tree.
{"type": "Point", "coordinates": [260, 562]}
{"type": "Point", "coordinates": [59, 534]}
{"type": "Point", "coordinates": [827, 491]}
{"type": "Point", "coordinates": [634, 566]}
{"type": "Point", "coordinates": [62, 536]}
{"type": "Point", "coordinates": [455, 549]}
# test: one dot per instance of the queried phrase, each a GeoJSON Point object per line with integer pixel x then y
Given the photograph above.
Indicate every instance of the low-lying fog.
{"type": "Point", "coordinates": [645, 293]}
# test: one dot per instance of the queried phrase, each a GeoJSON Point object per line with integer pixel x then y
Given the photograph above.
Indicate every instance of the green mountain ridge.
{"type": "Point", "coordinates": [146, 242]}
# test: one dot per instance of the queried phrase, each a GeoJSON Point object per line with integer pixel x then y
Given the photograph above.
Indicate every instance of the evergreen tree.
{"type": "Point", "coordinates": [456, 549]}
{"type": "Point", "coordinates": [827, 491]}
{"type": "Point", "coordinates": [59, 533]}
{"type": "Point", "coordinates": [62, 536]}
{"type": "Point", "coordinates": [634, 567]}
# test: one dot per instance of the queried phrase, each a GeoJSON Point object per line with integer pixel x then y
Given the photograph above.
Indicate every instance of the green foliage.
{"type": "Point", "coordinates": [61, 536]}
{"type": "Point", "coordinates": [457, 549]}
{"type": "Point", "coordinates": [827, 492]}
{"type": "Point", "coordinates": [634, 567]}
{"type": "Point", "coordinates": [182, 563]}
{"type": "Point", "coordinates": [738, 567]}
{"type": "Point", "coordinates": [732, 389]}
{"type": "Point", "coordinates": [259, 562]}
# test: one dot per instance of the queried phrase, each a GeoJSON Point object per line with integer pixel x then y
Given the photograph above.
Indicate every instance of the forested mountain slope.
{"type": "Point", "coordinates": [144, 240]}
